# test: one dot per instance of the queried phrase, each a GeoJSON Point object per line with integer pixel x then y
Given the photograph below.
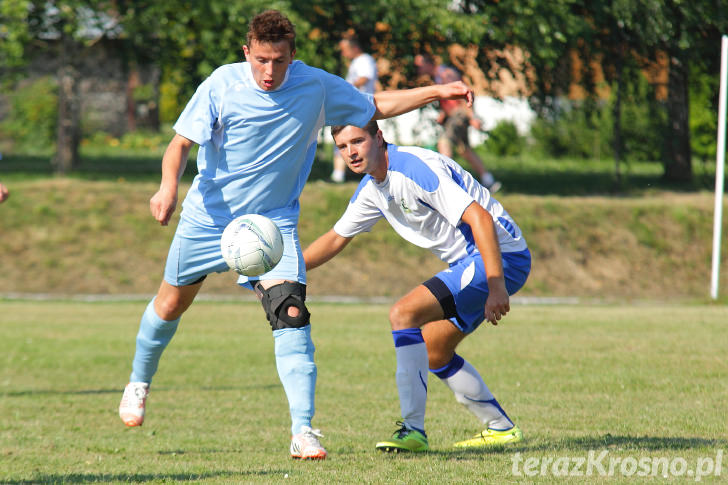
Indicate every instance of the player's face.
{"type": "Point", "coordinates": [362, 152]}
{"type": "Point", "coordinates": [269, 62]}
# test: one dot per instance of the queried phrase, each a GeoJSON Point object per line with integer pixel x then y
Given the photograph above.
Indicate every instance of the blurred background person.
{"type": "Point", "coordinates": [455, 118]}
{"type": "Point", "coordinates": [362, 73]}
{"type": "Point", "coordinates": [4, 193]}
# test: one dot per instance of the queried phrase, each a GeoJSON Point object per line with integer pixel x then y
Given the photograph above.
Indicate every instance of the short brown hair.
{"type": "Point", "coordinates": [372, 128]}
{"type": "Point", "coordinates": [272, 26]}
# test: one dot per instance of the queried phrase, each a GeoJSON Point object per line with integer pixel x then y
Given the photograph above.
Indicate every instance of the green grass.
{"type": "Point", "coordinates": [634, 381]}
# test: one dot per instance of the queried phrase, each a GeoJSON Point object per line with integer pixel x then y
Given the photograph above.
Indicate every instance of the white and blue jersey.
{"type": "Point", "coordinates": [423, 197]}
{"type": "Point", "coordinates": [256, 152]}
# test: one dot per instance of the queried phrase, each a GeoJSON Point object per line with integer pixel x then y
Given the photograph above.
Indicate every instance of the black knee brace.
{"type": "Point", "coordinates": [278, 299]}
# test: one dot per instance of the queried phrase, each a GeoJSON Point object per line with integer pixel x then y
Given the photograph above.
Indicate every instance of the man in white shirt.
{"type": "Point", "coordinates": [432, 202]}
{"type": "Point", "coordinates": [362, 74]}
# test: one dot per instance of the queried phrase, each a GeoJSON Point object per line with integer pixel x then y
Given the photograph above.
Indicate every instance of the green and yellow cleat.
{"type": "Point", "coordinates": [408, 440]}
{"type": "Point", "coordinates": [491, 438]}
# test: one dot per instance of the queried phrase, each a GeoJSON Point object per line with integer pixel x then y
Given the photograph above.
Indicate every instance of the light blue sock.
{"type": "Point", "coordinates": [411, 376]}
{"type": "Point", "coordinates": [294, 359]}
{"type": "Point", "coordinates": [153, 337]}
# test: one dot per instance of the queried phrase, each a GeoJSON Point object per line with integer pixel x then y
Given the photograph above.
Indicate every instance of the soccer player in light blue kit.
{"type": "Point", "coordinates": [256, 123]}
{"type": "Point", "coordinates": [430, 201]}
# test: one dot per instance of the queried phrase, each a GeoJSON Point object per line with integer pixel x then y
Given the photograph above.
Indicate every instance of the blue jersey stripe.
{"type": "Point", "coordinates": [413, 168]}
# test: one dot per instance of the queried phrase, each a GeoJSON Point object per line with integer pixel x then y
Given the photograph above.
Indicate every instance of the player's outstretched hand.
{"type": "Point", "coordinates": [457, 89]}
{"type": "Point", "coordinates": [162, 205]}
{"type": "Point", "coordinates": [497, 304]}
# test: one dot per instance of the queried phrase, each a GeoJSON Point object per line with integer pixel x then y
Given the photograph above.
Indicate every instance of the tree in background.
{"type": "Point", "coordinates": [70, 26]}
{"type": "Point", "coordinates": [615, 33]}
{"type": "Point", "coordinates": [14, 36]}
{"type": "Point", "coordinates": [190, 39]}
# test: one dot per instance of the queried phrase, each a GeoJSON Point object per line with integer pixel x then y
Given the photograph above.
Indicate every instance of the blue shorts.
{"type": "Point", "coordinates": [462, 289]}
{"type": "Point", "coordinates": [195, 253]}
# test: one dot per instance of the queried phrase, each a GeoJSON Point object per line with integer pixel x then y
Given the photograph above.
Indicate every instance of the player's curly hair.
{"type": "Point", "coordinates": [271, 26]}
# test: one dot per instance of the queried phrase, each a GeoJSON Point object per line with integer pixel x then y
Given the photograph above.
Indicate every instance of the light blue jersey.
{"type": "Point", "coordinates": [256, 146]}
{"type": "Point", "coordinates": [256, 152]}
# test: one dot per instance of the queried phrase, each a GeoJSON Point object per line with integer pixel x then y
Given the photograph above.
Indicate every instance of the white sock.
{"type": "Point", "coordinates": [470, 390]}
{"type": "Point", "coordinates": [411, 376]}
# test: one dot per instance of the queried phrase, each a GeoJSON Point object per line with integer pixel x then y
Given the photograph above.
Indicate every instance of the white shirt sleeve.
{"type": "Point", "coordinates": [360, 216]}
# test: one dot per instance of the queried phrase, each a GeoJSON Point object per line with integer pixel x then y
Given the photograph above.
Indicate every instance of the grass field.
{"type": "Point", "coordinates": [627, 383]}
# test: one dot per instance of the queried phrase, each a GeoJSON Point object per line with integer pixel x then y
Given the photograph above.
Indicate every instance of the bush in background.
{"type": "Point", "coordinates": [703, 116]}
{"type": "Point", "coordinates": [32, 116]}
{"type": "Point", "coordinates": [585, 129]}
{"type": "Point", "coordinates": [572, 130]}
{"type": "Point", "coordinates": [148, 142]}
{"type": "Point", "coordinates": [504, 140]}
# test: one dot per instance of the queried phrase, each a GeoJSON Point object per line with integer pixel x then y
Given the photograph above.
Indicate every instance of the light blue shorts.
{"type": "Point", "coordinates": [462, 289]}
{"type": "Point", "coordinates": [195, 253]}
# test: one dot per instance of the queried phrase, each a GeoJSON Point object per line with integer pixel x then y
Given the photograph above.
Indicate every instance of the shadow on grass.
{"type": "Point", "coordinates": [605, 442]}
{"type": "Point", "coordinates": [157, 390]}
{"type": "Point", "coordinates": [584, 183]}
{"type": "Point", "coordinates": [566, 181]}
{"type": "Point", "coordinates": [142, 477]}
{"type": "Point", "coordinates": [127, 167]}
{"type": "Point", "coordinates": [55, 392]}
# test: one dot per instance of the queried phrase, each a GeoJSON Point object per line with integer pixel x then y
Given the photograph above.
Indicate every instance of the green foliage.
{"type": "Point", "coordinates": [170, 99]}
{"type": "Point", "coordinates": [505, 140]}
{"type": "Point", "coordinates": [586, 129]}
{"type": "Point", "coordinates": [644, 121]}
{"type": "Point", "coordinates": [14, 33]}
{"type": "Point", "coordinates": [573, 131]}
{"type": "Point", "coordinates": [703, 115]}
{"type": "Point", "coordinates": [144, 93]}
{"type": "Point", "coordinates": [189, 39]}
{"type": "Point", "coordinates": [31, 123]}
{"type": "Point", "coordinates": [134, 141]}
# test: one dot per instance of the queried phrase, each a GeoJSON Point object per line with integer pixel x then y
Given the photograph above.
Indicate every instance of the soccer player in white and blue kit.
{"type": "Point", "coordinates": [430, 201]}
{"type": "Point", "coordinates": [256, 124]}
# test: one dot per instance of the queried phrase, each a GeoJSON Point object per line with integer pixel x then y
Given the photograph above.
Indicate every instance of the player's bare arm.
{"type": "Point", "coordinates": [164, 202]}
{"type": "Point", "coordinates": [361, 82]}
{"type": "Point", "coordinates": [483, 229]}
{"type": "Point", "coordinates": [394, 103]}
{"type": "Point", "coordinates": [324, 248]}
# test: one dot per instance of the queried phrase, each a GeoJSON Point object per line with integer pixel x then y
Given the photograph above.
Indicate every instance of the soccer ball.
{"type": "Point", "coordinates": [252, 245]}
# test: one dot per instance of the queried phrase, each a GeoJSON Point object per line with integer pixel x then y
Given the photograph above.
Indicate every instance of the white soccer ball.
{"type": "Point", "coordinates": [252, 245]}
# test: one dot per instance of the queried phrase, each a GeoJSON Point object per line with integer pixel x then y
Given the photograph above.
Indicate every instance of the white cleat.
{"type": "Point", "coordinates": [305, 445]}
{"type": "Point", "coordinates": [131, 408]}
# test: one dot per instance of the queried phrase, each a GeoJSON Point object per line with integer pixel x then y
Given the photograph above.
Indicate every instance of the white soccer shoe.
{"type": "Point", "coordinates": [305, 445]}
{"type": "Point", "coordinates": [131, 408]}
